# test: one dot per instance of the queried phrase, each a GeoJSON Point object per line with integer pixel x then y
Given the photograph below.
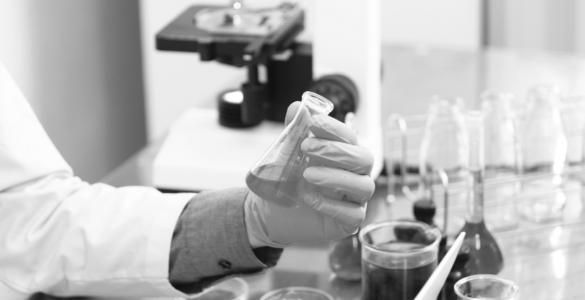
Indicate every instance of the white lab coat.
{"type": "Point", "coordinates": [63, 236]}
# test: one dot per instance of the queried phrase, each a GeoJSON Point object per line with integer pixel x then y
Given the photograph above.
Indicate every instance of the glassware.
{"type": "Point", "coordinates": [397, 258]}
{"type": "Point", "coordinates": [403, 136]}
{"type": "Point", "coordinates": [232, 289]}
{"type": "Point", "coordinates": [543, 146]}
{"type": "Point", "coordinates": [484, 255]}
{"type": "Point", "coordinates": [445, 143]}
{"type": "Point", "coordinates": [278, 174]}
{"type": "Point", "coordinates": [297, 293]}
{"type": "Point", "coordinates": [486, 287]}
{"type": "Point", "coordinates": [444, 149]}
{"type": "Point", "coordinates": [573, 116]}
{"type": "Point", "coordinates": [501, 160]}
{"type": "Point", "coordinates": [345, 259]}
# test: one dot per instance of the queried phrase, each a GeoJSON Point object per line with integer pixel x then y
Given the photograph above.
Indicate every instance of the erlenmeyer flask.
{"type": "Point", "coordinates": [501, 160]}
{"type": "Point", "coordinates": [278, 175]}
{"type": "Point", "coordinates": [543, 146]}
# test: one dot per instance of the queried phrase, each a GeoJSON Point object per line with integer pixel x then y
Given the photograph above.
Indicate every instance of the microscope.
{"type": "Point", "coordinates": [256, 40]}
{"type": "Point", "coordinates": [263, 43]}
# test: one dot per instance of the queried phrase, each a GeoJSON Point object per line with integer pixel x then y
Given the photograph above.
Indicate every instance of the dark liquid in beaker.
{"type": "Point", "coordinates": [394, 283]}
{"type": "Point", "coordinates": [272, 183]}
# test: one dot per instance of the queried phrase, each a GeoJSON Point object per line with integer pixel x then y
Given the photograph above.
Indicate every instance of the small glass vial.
{"type": "Point", "coordinates": [278, 176]}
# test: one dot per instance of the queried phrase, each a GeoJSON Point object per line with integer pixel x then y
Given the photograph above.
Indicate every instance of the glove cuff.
{"type": "Point", "coordinates": [256, 225]}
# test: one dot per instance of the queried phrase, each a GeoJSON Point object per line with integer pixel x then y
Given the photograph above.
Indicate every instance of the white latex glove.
{"type": "Point", "coordinates": [338, 186]}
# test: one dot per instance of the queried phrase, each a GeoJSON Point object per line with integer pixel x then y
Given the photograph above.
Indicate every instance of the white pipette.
{"type": "Point", "coordinates": [433, 286]}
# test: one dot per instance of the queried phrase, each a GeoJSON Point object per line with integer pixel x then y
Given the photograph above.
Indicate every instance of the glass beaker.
{"type": "Point", "coordinates": [232, 289]}
{"type": "Point", "coordinates": [278, 176]}
{"type": "Point", "coordinates": [397, 258]}
{"type": "Point", "coordinates": [297, 293]}
{"type": "Point", "coordinates": [501, 160]}
{"type": "Point", "coordinates": [543, 146]}
{"type": "Point", "coordinates": [486, 287]}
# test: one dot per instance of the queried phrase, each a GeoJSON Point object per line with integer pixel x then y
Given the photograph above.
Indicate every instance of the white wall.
{"type": "Point", "coordinates": [176, 81]}
{"type": "Point", "coordinates": [580, 26]}
{"type": "Point", "coordinates": [78, 62]}
{"type": "Point", "coordinates": [553, 25]}
{"type": "Point", "coordinates": [16, 48]}
{"type": "Point", "coordinates": [443, 23]}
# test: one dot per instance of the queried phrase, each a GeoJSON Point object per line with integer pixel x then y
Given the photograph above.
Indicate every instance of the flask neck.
{"type": "Point", "coordinates": [475, 208]}
{"type": "Point", "coordinates": [497, 107]}
{"type": "Point", "coordinates": [543, 98]}
{"type": "Point", "coordinates": [316, 104]}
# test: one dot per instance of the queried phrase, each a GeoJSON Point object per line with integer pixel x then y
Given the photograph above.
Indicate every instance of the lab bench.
{"type": "Point", "coordinates": [546, 260]}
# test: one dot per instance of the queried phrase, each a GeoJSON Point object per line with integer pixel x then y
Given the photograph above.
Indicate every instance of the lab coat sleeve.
{"type": "Point", "coordinates": [211, 241]}
{"type": "Point", "coordinates": [63, 236]}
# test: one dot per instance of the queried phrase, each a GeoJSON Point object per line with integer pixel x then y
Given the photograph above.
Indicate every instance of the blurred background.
{"type": "Point", "coordinates": [91, 72]}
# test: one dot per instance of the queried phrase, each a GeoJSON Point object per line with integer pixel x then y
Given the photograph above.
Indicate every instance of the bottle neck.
{"type": "Point", "coordinates": [316, 104]}
{"type": "Point", "coordinates": [475, 208]}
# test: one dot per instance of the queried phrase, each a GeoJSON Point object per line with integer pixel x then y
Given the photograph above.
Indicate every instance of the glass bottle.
{"type": "Point", "coordinates": [501, 160]}
{"type": "Point", "coordinates": [543, 145]}
{"type": "Point", "coordinates": [444, 150]}
{"type": "Point", "coordinates": [483, 253]}
{"type": "Point", "coordinates": [278, 175]}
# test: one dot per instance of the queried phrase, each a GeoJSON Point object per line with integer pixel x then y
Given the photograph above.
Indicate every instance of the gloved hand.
{"type": "Point", "coordinates": [338, 186]}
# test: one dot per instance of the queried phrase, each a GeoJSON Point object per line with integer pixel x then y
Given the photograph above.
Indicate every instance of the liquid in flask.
{"type": "Point", "coordinates": [484, 254]}
{"type": "Point", "coordinates": [278, 176]}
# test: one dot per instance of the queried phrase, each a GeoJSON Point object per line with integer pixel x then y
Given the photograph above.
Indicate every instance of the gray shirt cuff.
{"type": "Point", "coordinates": [210, 242]}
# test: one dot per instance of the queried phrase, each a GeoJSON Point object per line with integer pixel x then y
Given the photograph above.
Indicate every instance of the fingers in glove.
{"type": "Point", "coordinates": [337, 230]}
{"type": "Point", "coordinates": [346, 213]}
{"type": "Point", "coordinates": [291, 111]}
{"type": "Point", "coordinates": [324, 126]}
{"type": "Point", "coordinates": [340, 155]}
{"type": "Point", "coordinates": [328, 128]}
{"type": "Point", "coordinates": [339, 184]}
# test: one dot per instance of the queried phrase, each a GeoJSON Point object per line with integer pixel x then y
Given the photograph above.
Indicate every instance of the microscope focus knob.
{"type": "Point", "coordinates": [229, 104]}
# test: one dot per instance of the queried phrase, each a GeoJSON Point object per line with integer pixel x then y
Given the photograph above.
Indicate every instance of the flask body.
{"type": "Point", "coordinates": [278, 175]}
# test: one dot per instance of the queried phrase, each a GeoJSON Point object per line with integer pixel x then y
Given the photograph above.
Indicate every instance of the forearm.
{"type": "Point", "coordinates": [65, 237]}
{"type": "Point", "coordinates": [210, 242]}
